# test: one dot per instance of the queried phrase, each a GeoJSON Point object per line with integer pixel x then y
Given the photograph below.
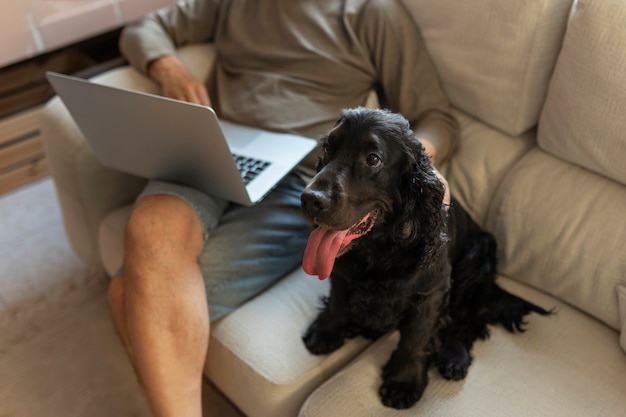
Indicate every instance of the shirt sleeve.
{"type": "Point", "coordinates": [159, 33]}
{"type": "Point", "coordinates": [407, 79]}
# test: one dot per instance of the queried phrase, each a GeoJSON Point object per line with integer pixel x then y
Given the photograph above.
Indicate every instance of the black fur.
{"type": "Point", "coordinates": [428, 272]}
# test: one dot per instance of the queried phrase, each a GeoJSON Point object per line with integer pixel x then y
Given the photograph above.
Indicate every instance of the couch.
{"type": "Point", "coordinates": [539, 89]}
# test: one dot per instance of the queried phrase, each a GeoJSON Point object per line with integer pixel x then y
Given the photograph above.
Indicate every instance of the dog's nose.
{"type": "Point", "coordinates": [314, 202]}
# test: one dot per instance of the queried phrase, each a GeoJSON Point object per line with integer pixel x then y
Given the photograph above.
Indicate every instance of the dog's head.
{"type": "Point", "coordinates": [373, 175]}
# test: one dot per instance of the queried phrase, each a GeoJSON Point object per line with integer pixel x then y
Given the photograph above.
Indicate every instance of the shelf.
{"type": "Point", "coordinates": [34, 27]}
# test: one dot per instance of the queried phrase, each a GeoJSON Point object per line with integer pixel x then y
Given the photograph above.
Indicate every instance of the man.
{"type": "Point", "coordinates": [288, 65]}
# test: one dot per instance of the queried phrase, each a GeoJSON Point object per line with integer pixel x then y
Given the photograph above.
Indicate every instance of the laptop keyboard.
{"type": "Point", "coordinates": [249, 167]}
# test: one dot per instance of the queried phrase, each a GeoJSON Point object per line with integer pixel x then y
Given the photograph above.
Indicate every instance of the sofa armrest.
{"type": "Point", "coordinates": [86, 190]}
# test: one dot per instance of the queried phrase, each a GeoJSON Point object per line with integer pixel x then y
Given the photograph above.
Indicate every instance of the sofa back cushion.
{"type": "Point", "coordinates": [495, 57]}
{"type": "Point", "coordinates": [584, 118]}
{"type": "Point", "coordinates": [560, 228]}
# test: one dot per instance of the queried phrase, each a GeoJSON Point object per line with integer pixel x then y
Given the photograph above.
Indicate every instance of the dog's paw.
{"type": "Point", "coordinates": [400, 394]}
{"type": "Point", "coordinates": [322, 342]}
{"type": "Point", "coordinates": [454, 369]}
{"type": "Point", "coordinates": [453, 361]}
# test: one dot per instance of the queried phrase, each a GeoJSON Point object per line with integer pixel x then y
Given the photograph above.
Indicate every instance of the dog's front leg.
{"type": "Point", "coordinates": [405, 375]}
{"type": "Point", "coordinates": [327, 333]}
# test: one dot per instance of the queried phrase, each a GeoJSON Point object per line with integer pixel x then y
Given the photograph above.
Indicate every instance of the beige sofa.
{"type": "Point", "coordinates": [539, 88]}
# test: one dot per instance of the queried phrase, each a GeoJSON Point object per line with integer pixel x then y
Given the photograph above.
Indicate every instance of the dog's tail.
{"type": "Point", "coordinates": [475, 275]}
{"type": "Point", "coordinates": [510, 310]}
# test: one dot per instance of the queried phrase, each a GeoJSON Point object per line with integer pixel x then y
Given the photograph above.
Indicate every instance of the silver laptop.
{"type": "Point", "coordinates": [159, 138]}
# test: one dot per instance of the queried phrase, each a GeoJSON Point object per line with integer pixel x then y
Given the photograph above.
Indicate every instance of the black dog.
{"type": "Point", "coordinates": [397, 259]}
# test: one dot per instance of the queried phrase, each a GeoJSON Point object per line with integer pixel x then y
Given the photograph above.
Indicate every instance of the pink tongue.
{"type": "Point", "coordinates": [322, 249]}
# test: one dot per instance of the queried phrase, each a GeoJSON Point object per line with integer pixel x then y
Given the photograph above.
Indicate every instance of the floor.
{"type": "Point", "coordinates": [59, 355]}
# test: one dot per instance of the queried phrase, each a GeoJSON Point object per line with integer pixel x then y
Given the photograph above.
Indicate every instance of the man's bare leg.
{"type": "Point", "coordinates": [158, 305]}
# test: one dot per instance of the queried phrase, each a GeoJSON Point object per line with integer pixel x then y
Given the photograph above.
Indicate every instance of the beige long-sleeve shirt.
{"type": "Point", "coordinates": [293, 65]}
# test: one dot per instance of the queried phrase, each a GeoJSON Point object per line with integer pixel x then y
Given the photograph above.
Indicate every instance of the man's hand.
{"type": "Point", "coordinates": [176, 82]}
{"type": "Point", "coordinates": [432, 152]}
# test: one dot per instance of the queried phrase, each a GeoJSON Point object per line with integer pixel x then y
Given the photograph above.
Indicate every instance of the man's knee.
{"type": "Point", "coordinates": [164, 223]}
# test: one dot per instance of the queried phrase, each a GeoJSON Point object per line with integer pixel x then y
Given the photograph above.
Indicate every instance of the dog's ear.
{"type": "Point", "coordinates": [422, 217]}
{"type": "Point", "coordinates": [323, 146]}
{"type": "Point", "coordinates": [321, 143]}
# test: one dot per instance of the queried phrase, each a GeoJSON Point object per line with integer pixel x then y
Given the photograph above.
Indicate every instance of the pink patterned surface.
{"type": "Point", "coordinates": [32, 27]}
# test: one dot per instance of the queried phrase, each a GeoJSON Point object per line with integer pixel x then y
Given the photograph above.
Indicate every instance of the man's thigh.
{"type": "Point", "coordinates": [252, 247]}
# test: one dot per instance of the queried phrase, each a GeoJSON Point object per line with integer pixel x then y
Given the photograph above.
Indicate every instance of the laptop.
{"type": "Point", "coordinates": [156, 137]}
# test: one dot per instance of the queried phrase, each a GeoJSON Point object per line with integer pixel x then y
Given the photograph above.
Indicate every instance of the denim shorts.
{"type": "Point", "coordinates": [247, 249]}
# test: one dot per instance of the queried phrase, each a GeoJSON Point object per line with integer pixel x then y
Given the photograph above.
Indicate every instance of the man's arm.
{"type": "Point", "coordinates": [150, 46]}
{"type": "Point", "coordinates": [408, 79]}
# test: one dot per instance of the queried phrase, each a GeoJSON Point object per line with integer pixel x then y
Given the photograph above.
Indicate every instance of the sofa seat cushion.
{"type": "Point", "coordinates": [583, 120]}
{"type": "Point", "coordinates": [494, 57]}
{"type": "Point", "coordinates": [570, 241]}
{"type": "Point", "coordinates": [256, 355]}
{"type": "Point", "coordinates": [566, 365]}
{"type": "Point", "coordinates": [482, 159]}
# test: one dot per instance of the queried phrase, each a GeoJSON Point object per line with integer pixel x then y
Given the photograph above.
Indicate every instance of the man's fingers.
{"type": "Point", "coordinates": [203, 96]}
{"type": "Point", "coordinates": [196, 93]}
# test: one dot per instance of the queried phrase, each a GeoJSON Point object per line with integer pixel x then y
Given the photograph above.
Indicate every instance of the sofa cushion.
{"type": "Point", "coordinates": [256, 355]}
{"type": "Point", "coordinates": [584, 116]}
{"type": "Point", "coordinates": [495, 57]}
{"type": "Point", "coordinates": [564, 366]}
{"type": "Point", "coordinates": [560, 228]}
{"type": "Point", "coordinates": [483, 157]}
{"type": "Point", "coordinates": [621, 299]}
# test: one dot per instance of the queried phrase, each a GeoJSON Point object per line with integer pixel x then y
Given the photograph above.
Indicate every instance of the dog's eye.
{"type": "Point", "coordinates": [373, 160]}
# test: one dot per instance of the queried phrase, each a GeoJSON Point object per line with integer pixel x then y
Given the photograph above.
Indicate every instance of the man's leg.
{"type": "Point", "coordinates": [251, 249]}
{"type": "Point", "coordinates": [158, 304]}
